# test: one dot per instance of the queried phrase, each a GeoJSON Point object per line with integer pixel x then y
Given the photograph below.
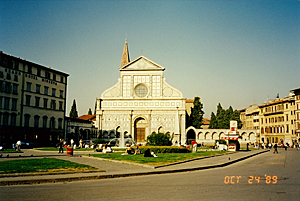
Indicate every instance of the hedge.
{"type": "Point", "coordinates": [164, 149]}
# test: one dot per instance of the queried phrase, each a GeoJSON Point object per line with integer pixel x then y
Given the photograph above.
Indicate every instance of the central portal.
{"type": "Point", "coordinates": [140, 125]}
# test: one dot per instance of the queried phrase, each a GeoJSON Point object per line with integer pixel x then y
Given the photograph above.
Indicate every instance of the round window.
{"type": "Point", "coordinates": [141, 91]}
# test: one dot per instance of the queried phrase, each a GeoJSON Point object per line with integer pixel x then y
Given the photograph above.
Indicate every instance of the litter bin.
{"type": "Point", "coordinates": [70, 151]}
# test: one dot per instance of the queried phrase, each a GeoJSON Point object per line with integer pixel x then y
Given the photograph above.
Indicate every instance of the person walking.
{"type": "Point", "coordinates": [19, 145]}
{"type": "Point", "coordinates": [81, 143]}
{"type": "Point", "coordinates": [61, 145]}
{"type": "Point", "coordinates": [275, 149]}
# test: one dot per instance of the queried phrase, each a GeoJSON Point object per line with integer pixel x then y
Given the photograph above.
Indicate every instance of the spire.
{"type": "Point", "coordinates": [125, 56]}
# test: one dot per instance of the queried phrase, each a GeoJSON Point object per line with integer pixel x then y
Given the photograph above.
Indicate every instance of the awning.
{"type": "Point", "coordinates": [229, 138]}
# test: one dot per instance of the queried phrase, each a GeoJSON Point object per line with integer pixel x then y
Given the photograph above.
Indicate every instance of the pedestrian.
{"type": "Point", "coordinates": [148, 153]}
{"type": "Point", "coordinates": [19, 145]}
{"type": "Point", "coordinates": [81, 143]}
{"type": "Point", "coordinates": [194, 144]}
{"type": "Point", "coordinates": [72, 143]}
{"type": "Point", "coordinates": [270, 146]}
{"type": "Point", "coordinates": [61, 144]}
{"type": "Point", "coordinates": [275, 148]}
{"type": "Point", "coordinates": [285, 147]}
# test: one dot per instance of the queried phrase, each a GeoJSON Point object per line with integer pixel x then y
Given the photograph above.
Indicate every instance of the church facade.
{"type": "Point", "coordinates": [140, 103]}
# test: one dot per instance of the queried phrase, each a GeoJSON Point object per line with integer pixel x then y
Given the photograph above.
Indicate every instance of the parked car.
{"type": "Point", "coordinates": [24, 145]}
{"type": "Point", "coordinates": [116, 142]}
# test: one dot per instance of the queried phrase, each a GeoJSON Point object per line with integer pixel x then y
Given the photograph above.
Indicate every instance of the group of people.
{"type": "Point", "coordinates": [130, 151]}
{"type": "Point", "coordinates": [137, 151]}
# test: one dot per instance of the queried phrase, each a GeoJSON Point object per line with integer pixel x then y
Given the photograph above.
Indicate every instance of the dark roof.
{"type": "Point", "coordinates": [34, 64]}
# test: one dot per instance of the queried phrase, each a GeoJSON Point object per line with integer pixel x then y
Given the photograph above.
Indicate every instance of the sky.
{"type": "Point", "coordinates": [237, 53]}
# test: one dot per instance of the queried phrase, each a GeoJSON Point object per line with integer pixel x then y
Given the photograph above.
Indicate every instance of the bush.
{"type": "Point", "coordinates": [159, 139]}
{"type": "Point", "coordinates": [99, 141]}
{"type": "Point", "coordinates": [221, 141]}
{"type": "Point", "coordinates": [164, 149]}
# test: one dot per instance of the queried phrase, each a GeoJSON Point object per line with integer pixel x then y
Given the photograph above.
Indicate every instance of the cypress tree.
{"type": "Point", "coordinates": [213, 121]}
{"type": "Point", "coordinates": [197, 113]}
{"type": "Point", "coordinates": [73, 112]}
{"type": "Point", "coordinates": [90, 111]}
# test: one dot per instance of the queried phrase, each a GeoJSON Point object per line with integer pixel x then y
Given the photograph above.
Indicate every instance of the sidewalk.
{"type": "Point", "coordinates": [114, 169]}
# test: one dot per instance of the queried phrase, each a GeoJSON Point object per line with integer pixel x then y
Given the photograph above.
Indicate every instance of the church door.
{"type": "Point", "coordinates": [140, 130]}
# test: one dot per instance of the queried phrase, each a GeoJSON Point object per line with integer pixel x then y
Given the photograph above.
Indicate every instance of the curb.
{"type": "Point", "coordinates": [82, 178]}
{"type": "Point", "coordinates": [48, 173]}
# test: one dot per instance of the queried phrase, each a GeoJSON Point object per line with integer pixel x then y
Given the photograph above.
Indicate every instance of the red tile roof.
{"type": "Point", "coordinates": [88, 117]}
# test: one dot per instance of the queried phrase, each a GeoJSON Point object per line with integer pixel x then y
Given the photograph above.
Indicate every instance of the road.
{"type": "Point", "coordinates": [267, 176]}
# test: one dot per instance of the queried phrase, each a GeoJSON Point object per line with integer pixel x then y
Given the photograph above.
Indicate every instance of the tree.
{"type": "Point", "coordinates": [213, 121]}
{"type": "Point", "coordinates": [159, 139]}
{"type": "Point", "coordinates": [90, 111]}
{"type": "Point", "coordinates": [197, 113]}
{"type": "Point", "coordinates": [236, 117]}
{"type": "Point", "coordinates": [73, 112]}
{"type": "Point", "coordinates": [220, 116]}
{"type": "Point", "coordinates": [223, 118]}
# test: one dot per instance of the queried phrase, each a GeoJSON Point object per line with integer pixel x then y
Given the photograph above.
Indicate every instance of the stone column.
{"type": "Point", "coordinates": [122, 140]}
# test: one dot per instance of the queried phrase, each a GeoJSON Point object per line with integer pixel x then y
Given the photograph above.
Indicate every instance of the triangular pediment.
{"type": "Point", "coordinates": [142, 64]}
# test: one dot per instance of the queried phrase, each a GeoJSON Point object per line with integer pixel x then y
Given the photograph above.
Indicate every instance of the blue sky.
{"type": "Point", "coordinates": [235, 53]}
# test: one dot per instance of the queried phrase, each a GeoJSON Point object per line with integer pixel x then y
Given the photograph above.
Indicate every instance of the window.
{"type": "Point", "coordinates": [15, 89]}
{"type": "Point", "coordinates": [1, 86]}
{"type": "Point", "coordinates": [46, 90]}
{"type": "Point", "coordinates": [8, 76]}
{"type": "Point", "coordinates": [7, 87]}
{"type": "Point", "coordinates": [28, 97]}
{"type": "Point", "coordinates": [53, 92]}
{"type": "Point", "coordinates": [37, 101]}
{"type": "Point", "coordinates": [52, 122]}
{"type": "Point", "coordinates": [54, 77]}
{"type": "Point", "coordinates": [1, 74]}
{"type": "Point", "coordinates": [36, 121]}
{"type": "Point", "coordinates": [16, 66]}
{"type": "Point", "coordinates": [38, 72]}
{"type": "Point", "coordinates": [28, 86]}
{"type": "Point", "coordinates": [47, 75]}
{"type": "Point", "coordinates": [26, 120]}
{"type": "Point", "coordinates": [60, 105]}
{"type": "Point", "coordinates": [13, 119]}
{"type": "Point", "coordinates": [1, 102]}
{"type": "Point", "coordinates": [60, 120]}
{"type": "Point", "coordinates": [61, 79]}
{"type": "Point", "coordinates": [45, 103]}
{"type": "Point", "coordinates": [14, 104]}
{"type": "Point", "coordinates": [53, 105]}
{"type": "Point", "coordinates": [29, 69]}
{"type": "Point", "coordinates": [141, 90]}
{"type": "Point", "coordinates": [6, 103]}
{"type": "Point", "coordinates": [5, 119]}
{"type": "Point", "coordinates": [61, 93]}
{"type": "Point", "coordinates": [38, 88]}
{"type": "Point", "coordinates": [45, 118]}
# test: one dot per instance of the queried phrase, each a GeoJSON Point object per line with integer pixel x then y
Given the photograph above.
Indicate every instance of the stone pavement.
{"type": "Point", "coordinates": [109, 169]}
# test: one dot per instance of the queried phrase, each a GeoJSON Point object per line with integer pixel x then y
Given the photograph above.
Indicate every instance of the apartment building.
{"type": "Point", "coordinates": [297, 112]}
{"type": "Point", "coordinates": [250, 117]}
{"type": "Point", "coordinates": [32, 102]}
{"type": "Point", "coordinates": [275, 121]}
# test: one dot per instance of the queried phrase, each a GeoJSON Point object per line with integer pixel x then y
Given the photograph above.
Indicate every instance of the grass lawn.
{"type": "Point", "coordinates": [161, 159]}
{"type": "Point", "coordinates": [10, 151]}
{"type": "Point", "coordinates": [56, 149]}
{"type": "Point", "coordinates": [40, 165]}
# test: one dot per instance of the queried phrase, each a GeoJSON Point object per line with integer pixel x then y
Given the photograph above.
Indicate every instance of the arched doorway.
{"type": "Point", "coordinates": [191, 136]}
{"type": "Point", "coordinates": [140, 125]}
